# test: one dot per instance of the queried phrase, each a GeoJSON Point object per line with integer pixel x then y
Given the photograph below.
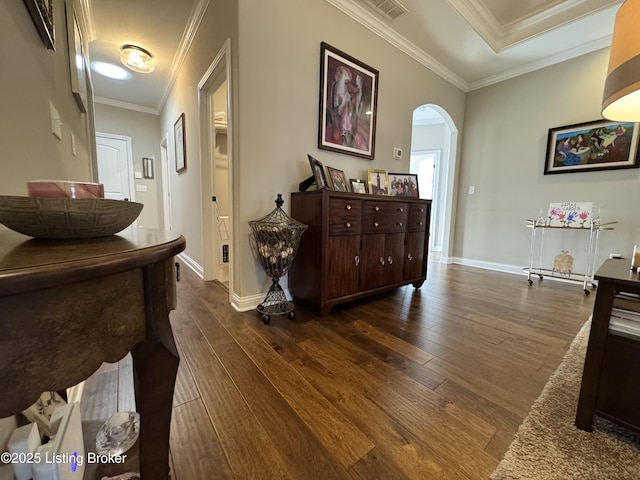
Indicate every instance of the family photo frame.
{"type": "Point", "coordinates": [348, 104]}
{"type": "Point", "coordinates": [595, 145]}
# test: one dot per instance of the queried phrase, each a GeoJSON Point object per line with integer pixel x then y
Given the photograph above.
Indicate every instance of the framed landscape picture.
{"type": "Point", "coordinates": [348, 104]}
{"type": "Point", "coordinates": [596, 145]}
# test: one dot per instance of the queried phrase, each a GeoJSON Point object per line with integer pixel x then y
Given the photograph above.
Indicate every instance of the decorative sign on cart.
{"type": "Point", "coordinates": [570, 214]}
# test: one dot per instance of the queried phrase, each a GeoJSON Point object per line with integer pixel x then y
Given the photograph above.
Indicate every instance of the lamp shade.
{"type": "Point", "coordinates": [621, 101]}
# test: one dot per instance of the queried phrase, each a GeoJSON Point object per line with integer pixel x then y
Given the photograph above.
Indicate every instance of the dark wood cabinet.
{"type": "Point", "coordinates": [357, 245]}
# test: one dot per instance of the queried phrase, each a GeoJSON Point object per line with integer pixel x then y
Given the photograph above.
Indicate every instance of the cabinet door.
{"type": "Point", "coordinates": [344, 265]}
{"type": "Point", "coordinates": [373, 261]}
{"type": "Point", "coordinates": [414, 255]}
{"type": "Point", "coordinates": [394, 257]}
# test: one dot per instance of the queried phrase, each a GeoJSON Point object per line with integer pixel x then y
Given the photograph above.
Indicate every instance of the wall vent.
{"type": "Point", "coordinates": [390, 9]}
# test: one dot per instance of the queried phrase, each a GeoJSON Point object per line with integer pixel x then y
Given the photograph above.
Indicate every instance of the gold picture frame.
{"type": "Point", "coordinates": [378, 182]}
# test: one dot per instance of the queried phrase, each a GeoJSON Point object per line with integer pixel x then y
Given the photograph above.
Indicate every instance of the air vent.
{"type": "Point", "coordinates": [390, 9]}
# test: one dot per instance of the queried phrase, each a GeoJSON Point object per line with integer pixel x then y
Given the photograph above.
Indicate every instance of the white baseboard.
{"type": "Point", "coordinates": [498, 267]}
{"type": "Point", "coordinates": [244, 304]}
{"type": "Point", "coordinates": [192, 264]}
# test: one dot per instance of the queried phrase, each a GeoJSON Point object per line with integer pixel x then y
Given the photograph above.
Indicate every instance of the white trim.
{"type": "Point", "coordinates": [218, 72]}
{"type": "Point", "coordinates": [195, 18]}
{"type": "Point", "coordinates": [497, 267]}
{"type": "Point", "coordinates": [244, 304]}
{"type": "Point", "coordinates": [192, 264]}
{"type": "Point", "coordinates": [125, 105]}
{"type": "Point", "coordinates": [368, 20]}
{"type": "Point", "coordinates": [167, 221]}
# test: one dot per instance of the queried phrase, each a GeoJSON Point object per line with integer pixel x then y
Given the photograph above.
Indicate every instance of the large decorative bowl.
{"type": "Point", "coordinates": [64, 188]}
{"type": "Point", "coordinates": [65, 218]}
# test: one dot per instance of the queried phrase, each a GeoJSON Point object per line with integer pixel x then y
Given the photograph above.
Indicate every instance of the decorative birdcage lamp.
{"type": "Point", "coordinates": [275, 241]}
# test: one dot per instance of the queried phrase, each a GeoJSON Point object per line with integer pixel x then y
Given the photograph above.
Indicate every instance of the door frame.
{"type": "Point", "coordinates": [127, 140]}
{"type": "Point", "coordinates": [166, 184]}
{"type": "Point", "coordinates": [216, 74]}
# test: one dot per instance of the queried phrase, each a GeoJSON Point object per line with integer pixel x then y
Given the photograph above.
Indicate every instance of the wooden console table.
{"type": "Point", "coordinates": [611, 377]}
{"type": "Point", "coordinates": [68, 306]}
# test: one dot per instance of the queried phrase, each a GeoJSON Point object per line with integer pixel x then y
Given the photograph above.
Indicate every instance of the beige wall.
{"type": "Point", "coordinates": [503, 156]}
{"type": "Point", "coordinates": [30, 79]}
{"type": "Point", "coordinates": [144, 130]}
{"type": "Point", "coordinates": [275, 88]}
{"type": "Point", "coordinates": [278, 113]}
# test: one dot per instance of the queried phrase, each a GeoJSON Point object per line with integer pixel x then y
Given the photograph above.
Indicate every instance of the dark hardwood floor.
{"type": "Point", "coordinates": [413, 384]}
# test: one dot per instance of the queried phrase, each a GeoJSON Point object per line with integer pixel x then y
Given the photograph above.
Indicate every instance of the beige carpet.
{"type": "Point", "coordinates": [549, 446]}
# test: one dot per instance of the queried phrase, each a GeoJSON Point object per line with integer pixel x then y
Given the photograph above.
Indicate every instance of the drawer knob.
{"type": "Point", "coordinates": [376, 224]}
{"type": "Point", "coordinates": [348, 207]}
{"type": "Point", "coordinates": [409, 257]}
{"type": "Point", "coordinates": [381, 261]}
{"type": "Point", "coordinates": [357, 260]}
{"type": "Point", "coordinates": [400, 209]}
{"type": "Point", "coordinates": [399, 224]}
{"type": "Point", "coordinates": [420, 223]}
{"type": "Point", "coordinates": [390, 260]}
{"type": "Point", "coordinates": [421, 210]}
{"type": "Point", "coordinates": [376, 208]}
{"type": "Point", "coordinates": [348, 224]}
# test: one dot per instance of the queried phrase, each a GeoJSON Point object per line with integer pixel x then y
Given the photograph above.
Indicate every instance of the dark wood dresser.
{"type": "Point", "coordinates": [67, 306]}
{"type": "Point", "coordinates": [357, 245]}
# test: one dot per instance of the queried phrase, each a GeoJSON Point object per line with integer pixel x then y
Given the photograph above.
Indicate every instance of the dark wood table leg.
{"type": "Point", "coordinates": [155, 365]}
{"type": "Point", "coordinates": [595, 355]}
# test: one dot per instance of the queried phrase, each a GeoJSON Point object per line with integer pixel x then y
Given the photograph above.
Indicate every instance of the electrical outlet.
{"type": "Point", "coordinates": [141, 188]}
{"type": "Point", "coordinates": [472, 190]}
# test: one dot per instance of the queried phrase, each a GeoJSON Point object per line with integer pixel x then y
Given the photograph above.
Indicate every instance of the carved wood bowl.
{"type": "Point", "coordinates": [64, 218]}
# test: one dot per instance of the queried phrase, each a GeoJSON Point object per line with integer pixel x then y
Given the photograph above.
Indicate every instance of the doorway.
{"type": "Point", "coordinates": [115, 166]}
{"type": "Point", "coordinates": [434, 133]}
{"type": "Point", "coordinates": [214, 100]}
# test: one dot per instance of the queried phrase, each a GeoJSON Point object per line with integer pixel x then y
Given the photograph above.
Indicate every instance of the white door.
{"type": "Point", "coordinates": [115, 169]}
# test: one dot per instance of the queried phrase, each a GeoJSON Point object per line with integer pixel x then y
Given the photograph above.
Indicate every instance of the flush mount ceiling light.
{"type": "Point", "coordinates": [137, 58]}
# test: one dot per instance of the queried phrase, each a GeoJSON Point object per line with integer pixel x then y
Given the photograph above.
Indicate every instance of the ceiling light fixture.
{"type": "Point", "coordinates": [137, 58]}
{"type": "Point", "coordinates": [621, 100]}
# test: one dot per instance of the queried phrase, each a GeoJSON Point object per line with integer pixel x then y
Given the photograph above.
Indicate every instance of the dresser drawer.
{"type": "Point", "coordinates": [384, 216]}
{"type": "Point", "coordinates": [417, 220]}
{"type": "Point", "coordinates": [344, 216]}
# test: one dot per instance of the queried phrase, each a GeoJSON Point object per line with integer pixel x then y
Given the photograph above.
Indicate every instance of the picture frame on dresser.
{"type": "Point", "coordinates": [378, 182]}
{"type": "Point", "coordinates": [403, 185]}
{"type": "Point", "coordinates": [338, 180]}
{"type": "Point", "coordinates": [317, 168]}
{"type": "Point", "coordinates": [358, 186]}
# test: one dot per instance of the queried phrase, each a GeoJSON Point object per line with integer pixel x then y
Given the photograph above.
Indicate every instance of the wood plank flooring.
{"type": "Point", "coordinates": [413, 384]}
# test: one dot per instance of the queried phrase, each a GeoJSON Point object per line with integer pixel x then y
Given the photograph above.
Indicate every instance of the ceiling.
{"type": "Point", "coordinates": [470, 43]}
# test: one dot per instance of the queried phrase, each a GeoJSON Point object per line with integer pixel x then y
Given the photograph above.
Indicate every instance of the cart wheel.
{"type": "Point", "coordinates": [292, 315]}
{"type": "Point", "coordinates": [540, 277]}
{"type": "Point", "coordinates": [587, 292]}
{"type": "Point", "coordinates": [266, 319]}
{"type": "Point", "coordinates": [530, 281]}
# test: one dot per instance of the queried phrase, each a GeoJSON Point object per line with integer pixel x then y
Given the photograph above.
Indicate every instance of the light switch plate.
{"type": "Point", "coordinates": [56, 122]}
{"type": "Point", "coordinates": [141, 188]}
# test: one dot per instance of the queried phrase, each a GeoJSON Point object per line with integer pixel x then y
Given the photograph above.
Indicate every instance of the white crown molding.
{"type": "Point", "coordinates": [125, 105]}
{"type": "Point", "coordinates": [88, 25]}
{"type": "Point", "coordinates": [499, 37]}
{"type": "Point", "coordinates": [546, 62]}
{"type": "Point", "coordinates": [378, 27]}
{"type": "Point", "coordinates": [480, 19]}
{"type": "Point", "coordinates": [195, 18]}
